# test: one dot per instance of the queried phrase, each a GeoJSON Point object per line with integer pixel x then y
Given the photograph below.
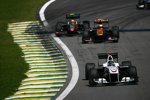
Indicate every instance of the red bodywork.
{"type": "Point", "coordinates": [100, 31]}
{"type": "Point", "coordinates": [72, 27]}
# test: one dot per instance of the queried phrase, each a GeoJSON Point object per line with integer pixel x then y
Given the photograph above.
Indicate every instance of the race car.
{"type": "Point", "coordinates": [110, 72]}
{"type": "Point", "coordinates": [72, 26]}
{"type": "Point", "coordinates": [101, 32]}
{"type": "Point", "coordinates": [143, 4]}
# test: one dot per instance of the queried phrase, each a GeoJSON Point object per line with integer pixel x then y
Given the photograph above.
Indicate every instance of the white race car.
{"type": "Point", "coordinates": [110, 71]}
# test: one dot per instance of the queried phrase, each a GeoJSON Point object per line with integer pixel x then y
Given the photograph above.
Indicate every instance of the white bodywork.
{"type": "Point", "coordinates": [113, 69]}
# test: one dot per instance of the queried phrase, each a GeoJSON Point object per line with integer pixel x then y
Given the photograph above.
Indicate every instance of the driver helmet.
{"type": "Point", "coordinates": [110, 63]}
{"type": "Point", "coordinates": [72, 21]}
{"type": "Point", "coordinates": [100, 25]}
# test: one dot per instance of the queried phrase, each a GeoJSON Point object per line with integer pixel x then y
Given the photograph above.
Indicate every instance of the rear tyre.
{"type": "Point", "coordinates": [93, 75]}
{"type": "Point", "coordinates": [115, 33]}
{"type": "Point", "coordinates": [86, 25]}
{"type": "Point", "coordinates": [126, 63]}
{"type": "Point", "coordinates": [85, 37]}
{"type": "Point", "coordinates": [88, 67]}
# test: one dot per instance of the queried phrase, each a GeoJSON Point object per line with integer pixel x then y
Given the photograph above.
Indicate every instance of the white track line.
{"type": "Point", "coordinates": [42, 10]}
{"type": "Point", "coordinates": [75, 69]}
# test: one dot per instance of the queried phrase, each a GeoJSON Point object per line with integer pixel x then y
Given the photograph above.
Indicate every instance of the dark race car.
{"type": "Point", "coordinates": [143, 4]}
{"type": "Point", "coordinates": [101, 32]}
{"type": "Point", "coordinates": [110, 72]}
{"type": "Point", "coordinates": [72, 26]}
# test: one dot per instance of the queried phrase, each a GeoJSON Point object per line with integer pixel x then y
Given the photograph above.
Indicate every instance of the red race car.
{"type": "Point", "coordinates": [72, 26]}
{"type": "Point", "coordinates": [101, 32]}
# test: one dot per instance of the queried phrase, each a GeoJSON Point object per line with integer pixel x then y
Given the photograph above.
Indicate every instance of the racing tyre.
{"type": "Point", "coordinates": [58, 28]}
{"type": "Point", "coordinates": [126, 63]}
{"type": "Point", "coordinates": [85, 37]}
{"type": "Point", "coordinates": [93, 75]}
{"type": "Point", "coordinates": [88, 67]}
{"type": "Point", "coordinates": [115, 33]}
{"type": "Point", "coordinates": [133, 73]}
{"type": "Point", "coordinates": [86, 24]}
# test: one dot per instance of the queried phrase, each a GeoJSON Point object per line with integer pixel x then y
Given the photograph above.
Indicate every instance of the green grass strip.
{"type": "Point", "coordinates": [12, 65]}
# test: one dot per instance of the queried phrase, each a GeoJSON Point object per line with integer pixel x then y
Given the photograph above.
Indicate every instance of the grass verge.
{"type": "Point", "coordinates": [12, 65]}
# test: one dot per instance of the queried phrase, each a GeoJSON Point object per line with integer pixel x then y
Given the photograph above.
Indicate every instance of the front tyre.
{"type": "Point", "coordinates": [133, 73]}
{"type": "Point", "coordinates": [93, 75]}
{"type": "Point", "coordinates": [88, 67]}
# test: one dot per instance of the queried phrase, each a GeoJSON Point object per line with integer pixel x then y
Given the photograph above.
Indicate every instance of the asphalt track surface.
{"type": "Point", "coordinates": [133, 45]}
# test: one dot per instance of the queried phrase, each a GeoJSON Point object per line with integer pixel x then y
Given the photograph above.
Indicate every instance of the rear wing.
{"type": "Point", "coordinates": [99, 21]}
{"type": "Point", "coordinates": [105, 55]}
{"type": "Point", "coordinates": [72, 16]}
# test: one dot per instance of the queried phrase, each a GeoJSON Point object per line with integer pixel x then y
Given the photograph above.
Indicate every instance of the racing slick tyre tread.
{"type": "Point", "coordinates": [115, 32]}
{"type": "Point", "coordinates": [126, 63]}
{"type": "Point", "coordinates": [88, 67]}
{"type": "Point", "coordinates": [92, 75]}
